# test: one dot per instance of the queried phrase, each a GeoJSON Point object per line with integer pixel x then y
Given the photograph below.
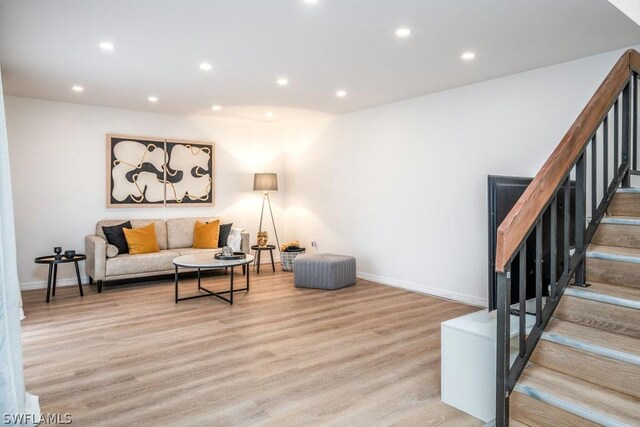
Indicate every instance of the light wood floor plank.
{"type": "Point", "coordinates": [363, 355]}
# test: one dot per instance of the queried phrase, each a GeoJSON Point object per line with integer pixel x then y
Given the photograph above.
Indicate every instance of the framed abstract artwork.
{"type": "Point", "coordinates": [151, 172]}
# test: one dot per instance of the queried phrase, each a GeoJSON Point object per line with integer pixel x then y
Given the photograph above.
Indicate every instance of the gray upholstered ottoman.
{"type": "Point", "coordinates": [324, 271]}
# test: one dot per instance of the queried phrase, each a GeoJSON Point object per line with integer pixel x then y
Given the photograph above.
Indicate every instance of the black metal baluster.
{"type": "Point", "coordinates": [616, 128]}
{"type": "Point", "coordinates": [567, 225]}
{"type": "Point", "coordinates": [626, 138]}
{"type": "Point", "coordinates": [539, 273]}
{"type": "Point", "coordinates": [581, 208]}
{"type": "Point", "coordinates": [594, 175]}
{"type": "Point", "coordinates": [523, 300]}
{"type": "Point", "coordinates": [634, 148]}
{"type": "Point", "coordinates": [503, 342]}
{"type": "Point", "coordinates": [553, 264]}
{"type": "Point", "coordinates": [605, 157]}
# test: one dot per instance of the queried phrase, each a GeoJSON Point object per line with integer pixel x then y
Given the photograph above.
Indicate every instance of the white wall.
{"type": "Point", "coordinates": [59, 172]}
{"type": "Point", "coordinates": [403, 187]}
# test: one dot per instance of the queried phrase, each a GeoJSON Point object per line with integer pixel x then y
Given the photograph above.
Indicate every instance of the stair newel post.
{"type": "Point", "coordinates": [581, 211]}
{"type": "Point", "coordinates": [503, 355]}
{"type": "Point", "coordinates": [626, 134]}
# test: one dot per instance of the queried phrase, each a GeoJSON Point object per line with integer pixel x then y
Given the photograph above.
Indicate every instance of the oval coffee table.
{"type": "Point", "coordinates": [208, 262]}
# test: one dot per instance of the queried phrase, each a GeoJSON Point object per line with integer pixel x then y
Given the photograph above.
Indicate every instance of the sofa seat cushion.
{"type": "Point", "coordinates": [142, 263]}
{"type": "Point", "coordinates": [188, 251]}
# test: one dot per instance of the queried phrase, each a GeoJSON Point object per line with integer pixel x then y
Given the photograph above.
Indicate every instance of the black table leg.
{"type": "Point", "coordinates": [177, 284]}
{"type": "Point", "coordinates": [49, 282]}
{"type": "Point", "coordinates": [79, 280]}
{"type": "Point", "coordinates": [247, 278]}
{"type": "Point", "coordinates": [199, 287]}
{"type": "Point", "coordinates": [231, 293]}
{"type": "Point", "coordinates": [55, 278]}
{"type": "Point", "coordinates": [258, 262]}
{"type": "Point", "coordinates": [273, 265]}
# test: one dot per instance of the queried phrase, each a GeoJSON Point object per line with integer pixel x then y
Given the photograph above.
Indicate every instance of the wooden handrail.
{"type": "Point", "coordinates": [525, 212]}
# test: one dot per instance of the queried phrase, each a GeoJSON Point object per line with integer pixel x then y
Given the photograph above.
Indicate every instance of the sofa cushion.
{"type": "Point", "coordinates": [112, 251]}
{"type": "Point", "coordinates": [161, 228]}
{"type": "Point", "coordinates": [205, 235]}
{"type": "Point", "coordinates": [223, 236]}
{"type": "Point", "coordinates": [142, 240]}
{"type": "Point", "coordinates": [180, 231]}
{"type": "Point", "coordinates": [143, 263]}
{"type": "Point", "coordinates": [115, 236]}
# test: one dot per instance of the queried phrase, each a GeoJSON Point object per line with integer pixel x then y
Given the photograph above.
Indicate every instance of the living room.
{"type": "Point", "coordinates": [381, 120]}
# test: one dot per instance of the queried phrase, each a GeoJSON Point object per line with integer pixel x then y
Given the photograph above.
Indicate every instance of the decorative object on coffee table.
{"type": "Point", "coordinates": [324, 271]}
{"type": "Point", "coordinates": [53, 261]}
{"type": "Point", "coordinates": [258, 250]}
{"type": "Point", "coordinates": [69, 254]}
{"type": "Point", "coordinates": [57, 250]}
{"type": "Point", "coordinates": [266, 182]}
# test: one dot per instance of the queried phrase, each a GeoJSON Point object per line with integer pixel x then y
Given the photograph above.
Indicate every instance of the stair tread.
{"type": "Point", "coordinates": [587, 396]}
{"type": "Point", "coordinates": [594, 336]}
{"type": "Point", "coordinates": [615, 250]}
{"type": "Point", "coordinates": [621, 219]}
{"type": "Point", "coordinates": [619, 291]}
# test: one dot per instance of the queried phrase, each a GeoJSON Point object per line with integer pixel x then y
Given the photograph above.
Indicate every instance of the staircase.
{"type": "Point", "coordinates": [585, 370]}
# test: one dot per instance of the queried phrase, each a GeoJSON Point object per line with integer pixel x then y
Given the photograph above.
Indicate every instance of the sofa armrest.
{"type": "Point", "coordinates": [95, 248]}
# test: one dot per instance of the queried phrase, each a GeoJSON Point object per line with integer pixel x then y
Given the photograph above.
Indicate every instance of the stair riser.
{"type": "Point", "coordinates": [625, 204]}
{"type": "Point", "coordinates": [614, 374]}
{"type": "Point", "coordinates": [599, 315]}
{"type": "Point", "coordinates": [627, 236]}
{"type": "Point", "coordinates": [532, 412]}
{"type": "Point", "coordinates": [613, 272]}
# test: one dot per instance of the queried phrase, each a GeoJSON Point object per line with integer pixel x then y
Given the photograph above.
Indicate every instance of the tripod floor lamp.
{"type": "Point", "coordinates": [266, 182]}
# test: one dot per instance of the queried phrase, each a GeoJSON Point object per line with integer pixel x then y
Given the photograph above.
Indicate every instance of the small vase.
{"type": "Point", "coordinates": [263, 238]}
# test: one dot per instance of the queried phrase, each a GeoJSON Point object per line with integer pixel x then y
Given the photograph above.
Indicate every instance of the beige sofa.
{"type": "Point", "coordinates": [175, 238]}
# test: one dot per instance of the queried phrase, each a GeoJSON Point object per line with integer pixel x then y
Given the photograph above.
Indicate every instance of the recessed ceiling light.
{"type": "Point", "coordinates": [77, 88]}
{"type": "Point", "coordinates": [282, 82]}
{"type": "Point", "coordinates": [153, 99]}
{"type": "Point", "coordinates": [467, 56]}
{"type": "Point", "coordinates": [205, 66]}
{"type": "Point", "coordinates": [106, 46]}
{"type": "Point", "coordinates": [341, 93]}
{"type": "Point", "coordinates": [216, 108]}
{"type": "Point", "coordinates": [269, 114]}
{"type": "Point", "coordinates": [403, 32]}
{"type": "Point", "coordinates": [311, 1]}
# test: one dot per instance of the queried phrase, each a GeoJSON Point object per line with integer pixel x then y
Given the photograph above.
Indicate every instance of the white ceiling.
{"type": "Point", "coordinates": [48, 46]}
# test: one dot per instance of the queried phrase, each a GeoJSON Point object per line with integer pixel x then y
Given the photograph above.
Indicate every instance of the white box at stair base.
{"type": "Point", "coordinates": [468, 366]}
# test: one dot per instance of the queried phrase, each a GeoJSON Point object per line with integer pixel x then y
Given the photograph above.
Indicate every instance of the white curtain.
{"type": "Point", "coordinates": [13, 398]}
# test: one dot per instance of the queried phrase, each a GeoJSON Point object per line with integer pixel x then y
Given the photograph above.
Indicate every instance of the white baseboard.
{"type": "Point", "coordinates": [423, 289]}
{"type": "Point", "coordinates": [69, 281]}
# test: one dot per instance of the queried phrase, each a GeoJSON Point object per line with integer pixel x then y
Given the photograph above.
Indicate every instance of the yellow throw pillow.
{"type": "Point", "coordinates": [205, 235]}
{"type": "Point", "coordinates": [142, 240]}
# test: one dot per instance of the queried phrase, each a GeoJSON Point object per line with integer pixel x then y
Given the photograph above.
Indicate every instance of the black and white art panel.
{"type": "Point", "coordinates": [147, 172]}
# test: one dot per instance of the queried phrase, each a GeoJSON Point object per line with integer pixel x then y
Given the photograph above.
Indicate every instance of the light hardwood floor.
{"type": "Point", "coordinates": [364, 355]}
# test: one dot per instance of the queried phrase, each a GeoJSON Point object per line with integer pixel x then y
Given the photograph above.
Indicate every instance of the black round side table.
{"type": "Point", "coordinates": [53, 262]}
{"type": "Point", "coordinates": [258, 250]}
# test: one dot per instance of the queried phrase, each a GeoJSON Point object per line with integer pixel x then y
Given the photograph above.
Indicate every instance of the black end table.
{"type": "Point", "coordinates": [258, 250]}
{"type": "Point", "coordinates": [53, 262]}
